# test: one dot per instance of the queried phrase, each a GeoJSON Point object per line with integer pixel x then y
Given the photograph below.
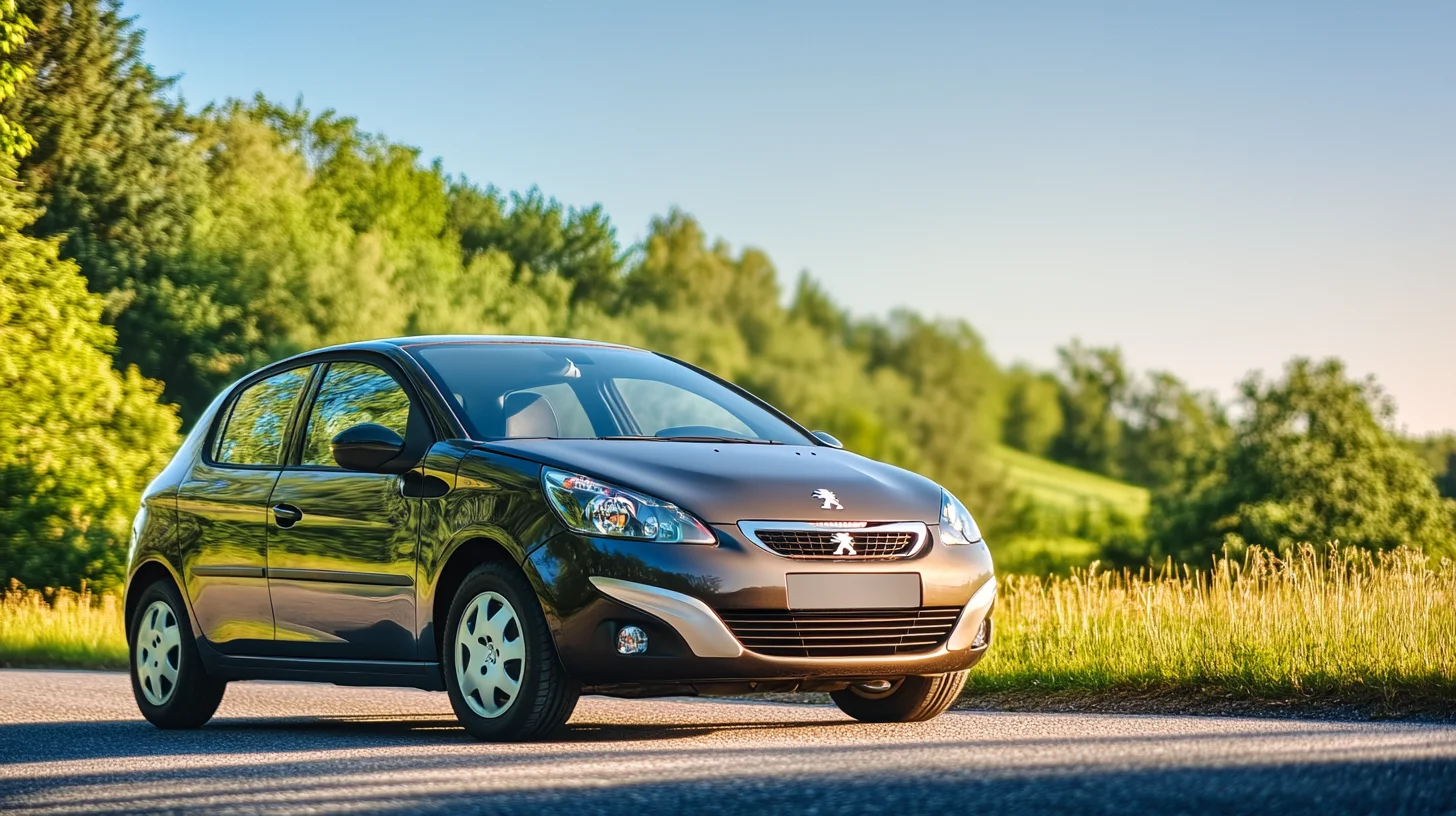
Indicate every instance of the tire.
{"type": "Point", "coordinates": [171, 687]}
{"type": "Point", "coordinates": [912, 699]}
{"type": "Point", "coordinates": [504, 678]}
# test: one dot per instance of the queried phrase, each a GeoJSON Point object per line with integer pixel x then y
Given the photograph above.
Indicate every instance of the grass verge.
{"type": "Point", "coordinates": [77, 630]}
{"type": "Point", "coordinates": [1337, 630]}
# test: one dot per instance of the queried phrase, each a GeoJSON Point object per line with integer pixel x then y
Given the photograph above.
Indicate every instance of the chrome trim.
{"type": "Point", "coordinates": [698, 625]}
{"type": "Point", "coordinates": [919, 528]}
{"type": "Point", "coordinates": [964, 633]}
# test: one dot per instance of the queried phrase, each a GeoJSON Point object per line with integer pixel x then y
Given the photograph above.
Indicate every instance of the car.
{"type": "Point", "coordinates": [517, 521]}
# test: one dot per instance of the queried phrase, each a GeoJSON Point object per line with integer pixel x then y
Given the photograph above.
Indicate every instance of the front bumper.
{"type": "Point", "coordinates": [593, 586]}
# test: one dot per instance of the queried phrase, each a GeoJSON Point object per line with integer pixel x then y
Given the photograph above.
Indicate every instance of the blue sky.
{"type": "Point", "coordinates": [1215, 188]}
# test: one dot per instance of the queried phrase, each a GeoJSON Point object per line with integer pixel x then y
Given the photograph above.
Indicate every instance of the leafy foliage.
{"type": "Point", "coordinates": [1311, 460]}
{"type": "Point", "coordinates": [79, 438]}
{"type": "Point", "coordinates": [217, 240]}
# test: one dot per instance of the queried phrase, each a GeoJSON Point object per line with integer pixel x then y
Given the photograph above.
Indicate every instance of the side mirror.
{"type": "Point", "coordinates": [828, 439]}
{"type": "Point", "coordinates": [366, 447]}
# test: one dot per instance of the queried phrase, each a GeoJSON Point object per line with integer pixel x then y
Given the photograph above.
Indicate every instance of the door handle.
{"type": "Point", "coordinates": [286, 515]}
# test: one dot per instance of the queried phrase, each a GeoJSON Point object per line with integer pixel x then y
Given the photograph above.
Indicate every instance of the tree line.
{"type": "Point", "coordinates": [152, 254]}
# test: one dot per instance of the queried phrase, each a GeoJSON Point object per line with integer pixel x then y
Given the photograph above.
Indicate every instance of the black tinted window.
{"type": "Point", "coordinates": [525, 390]}
{"type": "Point", "coordinates": [353, 394]}
{"type": "Point", "coordinates": [259, 418]}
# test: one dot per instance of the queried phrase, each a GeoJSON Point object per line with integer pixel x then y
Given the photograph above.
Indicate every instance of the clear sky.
{"type": "Point", "coordinates": [1214, 189]}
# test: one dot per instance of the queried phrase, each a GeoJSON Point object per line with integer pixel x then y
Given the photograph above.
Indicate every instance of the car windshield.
{"type": "Point", "coordinates": [562, 391]}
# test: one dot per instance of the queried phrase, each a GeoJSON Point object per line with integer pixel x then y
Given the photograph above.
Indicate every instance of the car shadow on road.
{"type": "Point", "coordinates": [52, 742]}
{"type": "Point", "coordinates": [758, 780]}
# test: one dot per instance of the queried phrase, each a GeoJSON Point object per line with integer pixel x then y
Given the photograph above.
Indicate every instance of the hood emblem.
{"type": "Point", "coordinates": [830, 501]}
{"type": "Point", "coordinates": [845, 543]}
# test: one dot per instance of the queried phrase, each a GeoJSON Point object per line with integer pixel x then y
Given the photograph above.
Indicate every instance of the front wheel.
{"type": "Point", "coordinates": [505, 681]}
{"type": "Point", "coordinates": [909, 699]}
{"type": "Point", "coordinates": [171, 687]}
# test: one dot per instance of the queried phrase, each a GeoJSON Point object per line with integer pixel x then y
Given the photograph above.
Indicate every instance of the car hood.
{"type": "Point", "coordinates": [728, 483]}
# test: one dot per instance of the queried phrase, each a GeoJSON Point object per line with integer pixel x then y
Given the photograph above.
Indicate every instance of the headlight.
{"type": "Point", "coordinates": [956, 524]}
{"type": "Point", "coordinates": [591, 507]}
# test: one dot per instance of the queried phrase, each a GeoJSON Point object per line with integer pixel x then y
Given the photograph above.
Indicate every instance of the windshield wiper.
{"type": "Point", "coordinates": [731, 439]}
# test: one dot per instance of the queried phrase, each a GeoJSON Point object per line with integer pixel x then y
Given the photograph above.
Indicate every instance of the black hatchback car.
{"type": "Point", "coordinates": [518, 521]}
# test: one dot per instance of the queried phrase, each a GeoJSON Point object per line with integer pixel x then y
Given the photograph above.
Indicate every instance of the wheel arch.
{"type": "Point", "coordinates": [147, 573]}
{"type": "Point", "coordinates": [471, 549]}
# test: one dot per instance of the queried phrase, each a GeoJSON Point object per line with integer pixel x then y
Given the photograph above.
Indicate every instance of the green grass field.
{"type": "Point", "coordinates": [1062, 486]}
{"type": "Point", "coordinates": [1327, 631]}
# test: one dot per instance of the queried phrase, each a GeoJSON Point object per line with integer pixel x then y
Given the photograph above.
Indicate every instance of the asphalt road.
{"type": "Point", "coordinates": [72, 742]}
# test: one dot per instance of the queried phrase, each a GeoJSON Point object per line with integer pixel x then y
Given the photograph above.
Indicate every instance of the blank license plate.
{"type": "Point", "coordinates": [894, 590]}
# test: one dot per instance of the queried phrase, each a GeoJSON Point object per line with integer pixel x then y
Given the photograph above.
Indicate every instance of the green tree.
{"type": "Point", "coordinates": [1169, 431]}
{"type": "Point", "coordinates": [1312, 459]}
{"type": "Point", "coordinates": [1033, 417]}
{"type": "Point", "coordinates": [1438, 451]}
{"type": "Point", "coordinates": [1094, 386]}
{"type": "Point", "coordinates": [112, 171]}
{"type": "Point", "coordinates": [79, 438]}
{"type": "Point", "coordinates": [541, 237]}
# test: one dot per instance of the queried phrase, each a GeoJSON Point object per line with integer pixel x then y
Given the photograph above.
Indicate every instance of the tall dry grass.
{"type": "Point", "coordinates": [70, 629]}
{"type": "Point", "coordinates": [1337, 622]}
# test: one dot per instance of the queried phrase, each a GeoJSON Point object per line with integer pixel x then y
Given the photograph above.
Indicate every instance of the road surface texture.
{"type": "Point", "coordinates": [72, 742]}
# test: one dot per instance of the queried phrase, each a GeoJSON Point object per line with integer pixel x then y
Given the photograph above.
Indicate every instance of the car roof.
{"type": "Point", "coordinates": [452, 339]}
{"type": "Point", "coordinates": [398, 344]}
{"type": "Point", "coordinates": [462, 339]}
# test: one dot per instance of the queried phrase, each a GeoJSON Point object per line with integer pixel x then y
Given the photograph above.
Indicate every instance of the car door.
{"type": "Point", "coordinates": [222, 513]}
{"type": "Point", "coordinates": [342, 544]}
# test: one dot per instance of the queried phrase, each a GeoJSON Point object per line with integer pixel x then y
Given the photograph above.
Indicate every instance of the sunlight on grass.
{"type": "Point", "coordinates": [1341, 621]}
{"type": "Point", "coordinates": [75, 630]}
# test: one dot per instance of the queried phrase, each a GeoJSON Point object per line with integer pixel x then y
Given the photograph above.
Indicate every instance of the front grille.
{"type": "Point", "coordinates": [823, 543]}
{"type": "Point", "coordinates": [842, 632]}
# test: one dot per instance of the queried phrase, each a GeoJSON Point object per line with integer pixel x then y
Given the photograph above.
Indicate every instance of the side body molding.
{"type": "Point", "coordinates": [703, 630]}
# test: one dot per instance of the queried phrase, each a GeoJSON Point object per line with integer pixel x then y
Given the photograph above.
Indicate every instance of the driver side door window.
{"type": "Point", "coordinates": [352, 394]}
{"type": "Point", "coordinates": [341, 543]}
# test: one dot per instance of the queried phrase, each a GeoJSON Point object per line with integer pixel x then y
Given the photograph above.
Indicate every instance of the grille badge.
{"type": "Point", "coordinates": [844, 544]}
{"type": "Point", "coordinates": [873, 540]}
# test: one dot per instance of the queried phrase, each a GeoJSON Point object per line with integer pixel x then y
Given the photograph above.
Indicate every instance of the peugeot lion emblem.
{"type": "Point", "coordinates": [845, 542]}
{"type": "Point", "coordinates": [830, 501]}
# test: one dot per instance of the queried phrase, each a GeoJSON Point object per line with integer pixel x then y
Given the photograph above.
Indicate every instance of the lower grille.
{"type": "Point", "coordinates": [826, 542]}
{"type": "Point", "coordinates": [842, 632]}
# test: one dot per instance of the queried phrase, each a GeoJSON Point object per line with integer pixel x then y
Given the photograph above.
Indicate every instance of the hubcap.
{"type": "Point", "coordinates": [490, 655]}
{"type": "Point", "coordinates": [158, 653]}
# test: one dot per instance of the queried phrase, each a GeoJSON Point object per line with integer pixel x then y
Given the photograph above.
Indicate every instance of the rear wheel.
{"type": "Point", "coordinates": [909, 699]}
{"type": "Point", "coordinates": [505, 681]}
{"type": "Point", "coordinates": [167, 678]}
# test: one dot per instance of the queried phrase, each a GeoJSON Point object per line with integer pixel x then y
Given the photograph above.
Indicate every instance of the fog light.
{"type": "Point", "coordinates": [983, 634]}
{"type": "Point", "coordinates": [631, 640]}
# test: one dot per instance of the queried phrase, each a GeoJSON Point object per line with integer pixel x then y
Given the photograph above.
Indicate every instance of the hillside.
{"type": "Point", "coordinates": [1050, 483]}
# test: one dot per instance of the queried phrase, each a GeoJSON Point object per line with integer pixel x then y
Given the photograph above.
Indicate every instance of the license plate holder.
{"type": "Point", "coordinates": [854, 590]}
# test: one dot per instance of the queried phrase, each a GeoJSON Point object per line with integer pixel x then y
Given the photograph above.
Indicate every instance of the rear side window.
{"type": "Point", "coordinates": [353, 394]}
{"type": "Point", "coordinates": [259, 419]}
